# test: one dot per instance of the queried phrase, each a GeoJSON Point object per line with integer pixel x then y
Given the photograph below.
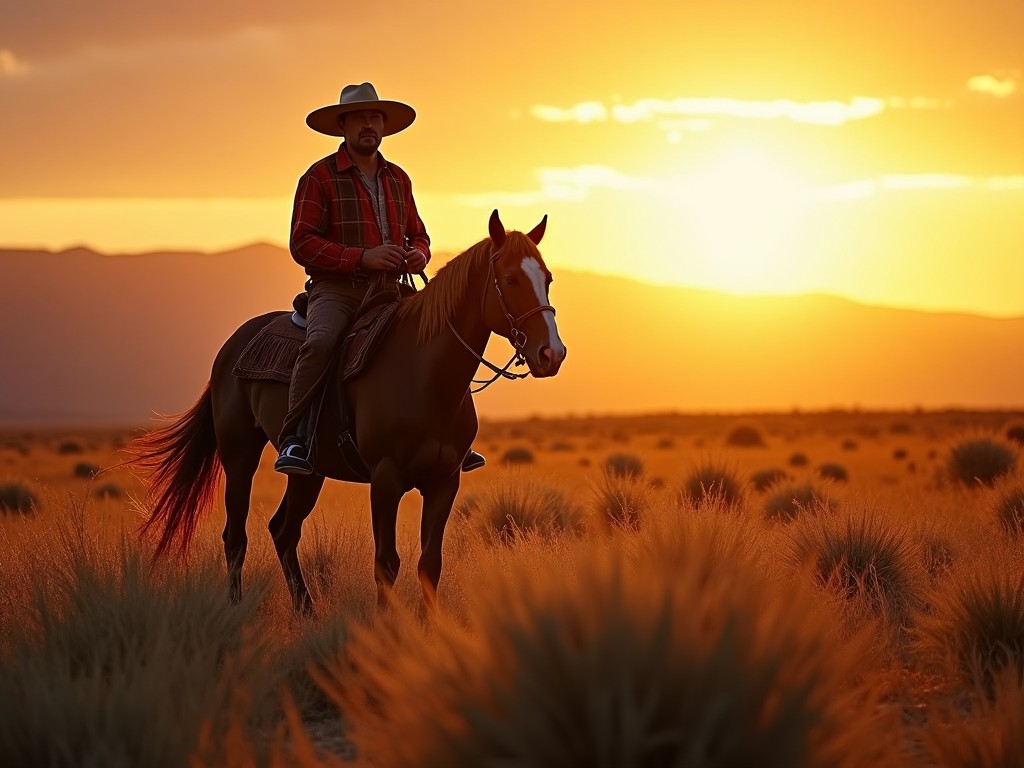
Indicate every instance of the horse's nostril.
{"type": "Point", "coordinates": [547, 356]}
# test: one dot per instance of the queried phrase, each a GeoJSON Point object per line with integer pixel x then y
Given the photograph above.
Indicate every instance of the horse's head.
{"type": "Point", "coordinates": [518, 308]}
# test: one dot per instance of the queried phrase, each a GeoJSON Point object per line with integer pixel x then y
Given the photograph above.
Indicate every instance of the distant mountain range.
{"type": "Point", "coordinates": [92, 338]}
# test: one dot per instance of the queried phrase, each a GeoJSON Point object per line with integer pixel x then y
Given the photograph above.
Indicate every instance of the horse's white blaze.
{"type": "Point", "coordinates": [538, 280]}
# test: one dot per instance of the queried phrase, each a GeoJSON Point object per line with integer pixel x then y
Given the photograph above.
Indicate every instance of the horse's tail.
{"type": "Point", "coordinates": [185, 468]}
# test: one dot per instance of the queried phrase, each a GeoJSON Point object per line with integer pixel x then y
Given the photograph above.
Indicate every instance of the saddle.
{"type": "Point", "coordinates": [272, 352]}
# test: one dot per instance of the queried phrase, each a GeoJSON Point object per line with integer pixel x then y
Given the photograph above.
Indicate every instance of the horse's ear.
{"type": "Point", "coordinates": [538, 232]}
{"type": "Point", "coordinates": [497, 229]}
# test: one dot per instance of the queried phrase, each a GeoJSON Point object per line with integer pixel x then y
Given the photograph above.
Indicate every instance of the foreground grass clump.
{"type": "Point", "coordinates": [712, 482]}
{"type": "Point", "coordinates": [975, 628]}
{"type": "Point", "coordinates": [786, 502]}
{"type": "Point", "coordinates": [620, 663]}
{"type": "Point", "coordinates": [518, 504]}
{"type": "Point", "coordinates": [16, 498]}
{"type": "Point", "coordinates": [864, 559]}
{"type": "Point", "coordinates": [989, 736]}
{"type": "Point", "coordinates": [980, 460]}
{"type": "Point", "coordinates": [1009, 509]}
{"type": "Point", "coordinates": [113, 663]}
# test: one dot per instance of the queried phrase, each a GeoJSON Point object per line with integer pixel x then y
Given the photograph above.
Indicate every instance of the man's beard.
{"type": "Point", "coordinates": [366, 150]}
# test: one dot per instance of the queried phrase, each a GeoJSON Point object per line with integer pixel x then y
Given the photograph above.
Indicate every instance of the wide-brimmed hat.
{"type": "Point", "coordinates": [397, 116]}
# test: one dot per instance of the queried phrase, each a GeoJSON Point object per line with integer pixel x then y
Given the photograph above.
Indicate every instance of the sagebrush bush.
{"type": "Point", "coordinates": [713, 482]}
{"type": "Point", "coordinates": [863, 558]}
{"type": "Point", "coordinates": [763, 479]}
{"type": "Point", "coordinates": [18, 499]}
{"type": "Point", "coordinates": [627, 465]}
{"type": "Point", "coordinates": [517, 504]}
{"type": "Point", "coordinates": [517, 455]}
{"type": "Point", "coordinates": [745, 436]}
{"type": "Point", "coordinates": [980, 460]}
{"type": "Point", "coordinates": [786, 501]}
{"type": "Point", "coordinates": [615, 666]}
{"type": "Point", "coordinates": [975, 626]}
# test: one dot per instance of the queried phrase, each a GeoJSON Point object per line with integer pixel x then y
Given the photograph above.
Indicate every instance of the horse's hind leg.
{"type": "Point", "coordinates": [286, 528]}
{"type": "Point", "coordinates": [438, 499]}
{"type": "Point", "coordinates": [240, 463]}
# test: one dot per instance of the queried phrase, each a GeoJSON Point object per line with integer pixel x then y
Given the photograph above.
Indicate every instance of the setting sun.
{"type": "Point", "coordinates": [744, 207]}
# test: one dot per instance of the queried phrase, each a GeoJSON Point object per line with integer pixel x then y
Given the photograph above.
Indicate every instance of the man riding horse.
{"type": "Point", "coordinates": [354, 218]}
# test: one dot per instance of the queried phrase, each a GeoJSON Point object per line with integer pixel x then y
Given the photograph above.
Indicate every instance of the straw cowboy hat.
{"type": "Point", "coordinates": [397, 116]}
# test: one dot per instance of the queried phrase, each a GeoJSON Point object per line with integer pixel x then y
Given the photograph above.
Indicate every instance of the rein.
{"type": "Point", "coordinates": [516, 337]}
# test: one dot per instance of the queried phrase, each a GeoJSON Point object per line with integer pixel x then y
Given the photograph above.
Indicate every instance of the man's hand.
{"type": "Point", "coordinates": [415, 261]}
{"type": "Point", "coordinates": [385, 258]}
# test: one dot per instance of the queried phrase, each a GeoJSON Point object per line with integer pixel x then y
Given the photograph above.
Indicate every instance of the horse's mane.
{"type": "Point", "coordinates": [437, 302]}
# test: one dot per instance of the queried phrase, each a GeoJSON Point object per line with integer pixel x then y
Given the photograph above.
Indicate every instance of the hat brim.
{"type": "Point", "coordinates": [397, 116]}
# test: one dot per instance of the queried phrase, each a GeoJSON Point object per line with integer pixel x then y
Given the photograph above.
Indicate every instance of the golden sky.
{"type": "Point", "coordinates": [873, 150]}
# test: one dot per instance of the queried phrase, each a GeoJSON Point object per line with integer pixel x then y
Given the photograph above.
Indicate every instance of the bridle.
{"type": "Point", "coordinates": [517, 337]}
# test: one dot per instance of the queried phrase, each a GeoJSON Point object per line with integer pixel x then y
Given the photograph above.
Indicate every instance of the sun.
{"type": "Point", "coordinates": [744, 209]}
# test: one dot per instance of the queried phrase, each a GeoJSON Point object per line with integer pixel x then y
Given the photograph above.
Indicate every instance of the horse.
{"type": "Point", "coordinates": [413, 412]}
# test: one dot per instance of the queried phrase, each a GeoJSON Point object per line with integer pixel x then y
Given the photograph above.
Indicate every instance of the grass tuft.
{"type": "Point", "coordinates": [620, 502]}
{"type": "Point", "coordinates": [711, 482]}
{"type": "Point", "coordinates": [763, 479]}
{"type": "Point", "coordinates": [627, 465]}
{"type": "Point", "coordinates": [17, 499]}
{"type": "Point", "coordinates": [786, 502]}
{"type": "Point", "coordinates": [1009, 509]}
{"type": "Point", "coordinates": [517, 455]}
{"type": "Point", "coordinates": [516, 505]}
{"type": "Point", "coordinates": [980, 460]}
{"type": "Point", "coordinates": [745, 436]}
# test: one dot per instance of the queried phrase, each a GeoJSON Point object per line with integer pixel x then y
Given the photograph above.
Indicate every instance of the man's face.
{"type": "Point", "coordinates": [362, 130]}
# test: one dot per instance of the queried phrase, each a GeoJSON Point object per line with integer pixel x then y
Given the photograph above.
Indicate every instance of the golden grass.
{"type": "Point", "coordinates": [679, 631]}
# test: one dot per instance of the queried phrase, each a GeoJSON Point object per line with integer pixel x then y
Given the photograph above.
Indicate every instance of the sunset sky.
{"type": "Point", "coordinates": [873, 150]}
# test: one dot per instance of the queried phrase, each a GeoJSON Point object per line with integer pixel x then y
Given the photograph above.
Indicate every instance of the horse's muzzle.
{"type": "Point", "coordinates": [549, 360]}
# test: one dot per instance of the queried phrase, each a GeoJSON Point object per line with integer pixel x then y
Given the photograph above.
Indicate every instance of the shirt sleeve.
{"type": "Point", "coordinates": [415, 230]}
{"type": "Point", "coordinates": [309, 246]}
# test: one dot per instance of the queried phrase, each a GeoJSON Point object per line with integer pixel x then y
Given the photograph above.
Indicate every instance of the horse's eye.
{"type": "Point", "coordinates": [510, 279]}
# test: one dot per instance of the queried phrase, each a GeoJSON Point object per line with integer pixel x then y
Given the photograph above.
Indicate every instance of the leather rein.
{"type": "Point", "coordinates": [516, 336]}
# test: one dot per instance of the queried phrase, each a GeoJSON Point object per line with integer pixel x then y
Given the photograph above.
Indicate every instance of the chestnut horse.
{"type": "Point", "coordinates": [413, 413]}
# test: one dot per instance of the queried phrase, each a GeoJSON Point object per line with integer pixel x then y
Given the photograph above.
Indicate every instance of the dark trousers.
{"type": "Point", "coordinates": [332, 307]}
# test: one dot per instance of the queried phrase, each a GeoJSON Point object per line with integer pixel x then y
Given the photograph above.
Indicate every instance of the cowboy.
{"type": "Point", "coordinates": [354, 217]}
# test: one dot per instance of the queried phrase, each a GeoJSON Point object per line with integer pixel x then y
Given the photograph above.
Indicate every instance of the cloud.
{"type": "Point", "coordinates": [643, 110]}
{"type": "Point", "coordinates": [999, 85]}
{"type": "Point", "coordinates": [11, 65]}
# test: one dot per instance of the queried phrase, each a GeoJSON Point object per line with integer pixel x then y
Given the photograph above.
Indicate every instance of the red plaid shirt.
{"type": "Point", "coordinates": [333, 220]}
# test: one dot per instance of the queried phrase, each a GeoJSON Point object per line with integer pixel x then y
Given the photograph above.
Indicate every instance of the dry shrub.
{"type": "Point", "coordinates": [1009, 508]}
{"type": "Point", "coordinates": [785, 502]}
{"type": "Point", "coordinates": [108, 491]}
{"type": "Point", "coordinates": [1015, 433]}
{"type": "Point", "coordinates": [899, 454]}
{"type": "Point", "coordinates": [18, 499]}
{"type": "Point", "coordinates": [864, 559]}
{"type": "Point", "coordinates": [798, 459]}
{"type": "Point", "coordinates": [704, 664]}
{"type": "Point", "coordinates": [763, 479]}
{"type": "Point", "coordinates": [712, 482]}
{"type": "Point", "coordinates": [562, 446]}
{"type": "Point", "coordinates": [516, 504]}
{"type": "Point", "coordinates": [980, 460]}
{"type": "Point", "coordinates": [834, 472]}
{"type": "Point", "coordinates": [626, 465]}
{"type": "Point", "coordinates": [849, 444]}
{"type": "Point", "coordinates": [517, 455]}
{"type": "Point", "coordinates": [85, 470]}
{"type": "Point", "coordinates": [975, 628]}
{"type": "Point", "coordinates": [69, 447]}
{"type": "Point", "coordinates": [620, 502]}
{"type": "Point", "coordinates": [745, 436]}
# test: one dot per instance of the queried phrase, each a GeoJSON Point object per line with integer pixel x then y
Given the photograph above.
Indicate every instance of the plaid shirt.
{"type": "Point", "coordinates": [333, 220]}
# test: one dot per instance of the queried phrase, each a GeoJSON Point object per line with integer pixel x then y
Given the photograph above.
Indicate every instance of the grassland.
{"type": "Point", "coordinates": [836, 588]}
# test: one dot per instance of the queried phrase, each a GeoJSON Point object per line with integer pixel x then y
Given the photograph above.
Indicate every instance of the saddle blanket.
{"type": "Point", "coordinates": [272, 353]}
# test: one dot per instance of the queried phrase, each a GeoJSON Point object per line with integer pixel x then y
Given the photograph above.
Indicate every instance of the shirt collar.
{"type": "Point", "coordinates": [344, 160]}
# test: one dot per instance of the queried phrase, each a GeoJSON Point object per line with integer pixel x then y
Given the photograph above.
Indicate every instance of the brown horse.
{"type": "Point", "coordinates": [413, 413]}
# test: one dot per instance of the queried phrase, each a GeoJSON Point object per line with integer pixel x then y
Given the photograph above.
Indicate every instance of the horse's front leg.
{"type": "Point", "coordinates": [438, 499]}
{"type": "Point", "coordinates": [286, 528]}
{"type": "Point", "coordinates": [385, 494]}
